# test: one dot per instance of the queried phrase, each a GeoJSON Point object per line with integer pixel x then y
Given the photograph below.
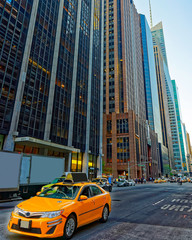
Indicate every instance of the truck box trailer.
{"type": "Point", "coordinates": [25, 174]}
{"type": "Point", "coordinates": [37, 171]}
{"type": "Point", "coordinates": [10, 164]}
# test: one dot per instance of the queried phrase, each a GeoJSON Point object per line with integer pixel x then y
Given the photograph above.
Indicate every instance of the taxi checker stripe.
{"type": "Point", "coordinates": [91, 210]}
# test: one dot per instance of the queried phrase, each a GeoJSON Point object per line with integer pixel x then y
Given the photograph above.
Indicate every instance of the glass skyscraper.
{"type": "Point", "coordinates": [161, 73]}
{"type": "Point", "coordinates": [51, 79]}
{"type": "Point", "coordinates": [151, 90]}
{"type": "Point", "coordinates": [179, 124]}
{"type": "Point", "coordinates": [158, 39]}
{"type": "Point", "coordinates": [176, 162]}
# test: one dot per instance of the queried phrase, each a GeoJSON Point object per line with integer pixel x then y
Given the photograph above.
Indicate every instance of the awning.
{"type": "Point", "coordinates": [38, 143]}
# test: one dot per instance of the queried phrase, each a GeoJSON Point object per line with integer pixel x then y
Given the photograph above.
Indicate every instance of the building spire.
{"type": "Point", "coordinates": [151, 21]}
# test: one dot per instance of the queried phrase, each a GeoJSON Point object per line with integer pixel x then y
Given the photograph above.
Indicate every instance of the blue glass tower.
{"type": "Point", "coordinates": [151, 90]}
{"type": "Point", "coordinates": [179, 124]}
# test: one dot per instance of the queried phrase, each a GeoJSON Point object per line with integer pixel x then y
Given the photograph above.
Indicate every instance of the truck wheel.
{"type": "Point", "coordinates": [105, 214]}
{"type": "Point", "coordinates": [70, 227]}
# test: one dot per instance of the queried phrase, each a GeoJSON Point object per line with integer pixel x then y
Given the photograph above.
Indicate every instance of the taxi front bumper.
{"type": "Point", "coordinates": [41, 227]}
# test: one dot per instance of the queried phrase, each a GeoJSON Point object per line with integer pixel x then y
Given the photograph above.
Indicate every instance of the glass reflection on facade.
{"type": "Point", "coordinates": [14, 22]}
{"type": "Point", "coordinates": [35, 97]}
{"type": "Point", "coordinates": [63, 83]}
{"type": "Point", "coordinates": [177, 157]}
{"type": "Point", "coordinates": [59, 33]}
{"type": "Point", "coordinates": [151, 91]}
{"type": "Point", "coordinates": [179, 124]}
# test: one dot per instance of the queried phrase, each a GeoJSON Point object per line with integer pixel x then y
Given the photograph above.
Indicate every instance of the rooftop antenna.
{"type": "Point", "coordinates": [151, 21]}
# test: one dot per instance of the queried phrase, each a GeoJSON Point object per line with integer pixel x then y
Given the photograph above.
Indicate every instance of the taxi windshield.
{"type": "Point", "coordinates": [96, 180]}
{"type": "Point", "coordinates": [56, 180]}
{"type": "Point", "coordinates": [60, 192]}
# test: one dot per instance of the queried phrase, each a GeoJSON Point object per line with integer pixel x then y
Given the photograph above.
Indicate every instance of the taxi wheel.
{"type": "Point", "coordinates": [110, 189]}
{"type": "Point", "coordinates": [70, 227]}
{"type": "Point", "coordinates": [105, 214]}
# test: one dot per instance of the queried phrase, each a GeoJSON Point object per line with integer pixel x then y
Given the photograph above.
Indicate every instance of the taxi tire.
{"type": "Point", "coordinates": [104, 219]}
{"type": "Point", "coordinates": [110, 189]}
{"type": "Point", "coordinates": [65, 233]}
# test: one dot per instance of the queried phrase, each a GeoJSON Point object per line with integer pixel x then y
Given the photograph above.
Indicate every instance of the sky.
{"type": "Point", "coordinates": [176, 18]}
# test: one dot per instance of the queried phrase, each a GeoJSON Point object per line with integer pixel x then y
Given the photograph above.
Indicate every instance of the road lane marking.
{"type": "Point", "coordinates": [159, 202]}
{"type": "Point", "coordinates": [177, 208]}
{"type": "Point", "coordinates": [174, 207]}
{"type": "Point", "coordinates": [182, 201]}
{"type": "Point", "coordinates": [183, 208]}
{"type": "Point", "coordinates": [166, 206]}
{"type": "Point", "coordinates": [176, 200]}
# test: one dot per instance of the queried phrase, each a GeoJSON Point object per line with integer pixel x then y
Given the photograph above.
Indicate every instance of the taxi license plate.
{"type": "Point", "coordinates": [24, 224]}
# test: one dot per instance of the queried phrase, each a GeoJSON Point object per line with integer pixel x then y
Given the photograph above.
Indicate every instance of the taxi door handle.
{"type": "Point", "coordinates": [93, 201]}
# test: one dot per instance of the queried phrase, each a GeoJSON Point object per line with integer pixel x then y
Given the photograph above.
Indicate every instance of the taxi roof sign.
{"type": "Point", "coordinates": [75, 177]}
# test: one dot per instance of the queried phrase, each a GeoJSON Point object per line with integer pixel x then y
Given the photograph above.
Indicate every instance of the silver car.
{"type": "Point", "coordinates": [131, 182]}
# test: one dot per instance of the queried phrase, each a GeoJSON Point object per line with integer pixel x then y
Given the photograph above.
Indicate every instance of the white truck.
{"type": "Point", "coordinates": [10, 164]}
{"type": "Point", "coordinates": [25, 174]}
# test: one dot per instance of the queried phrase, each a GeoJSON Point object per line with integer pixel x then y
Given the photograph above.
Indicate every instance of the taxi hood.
{"type": "Point", "coordinates": [42, 204]}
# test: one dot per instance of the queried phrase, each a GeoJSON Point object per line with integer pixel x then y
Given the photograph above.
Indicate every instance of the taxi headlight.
{"type": "Point", "coordinates": [16, 210]}
{"type": "Point", "coordinates": [51, 214]}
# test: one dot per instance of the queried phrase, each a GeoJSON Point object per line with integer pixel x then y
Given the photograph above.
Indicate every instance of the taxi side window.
{"type": "Point", "coordinates": [95, 191]}
{"type": "Point", "coordinates": [86, 192]}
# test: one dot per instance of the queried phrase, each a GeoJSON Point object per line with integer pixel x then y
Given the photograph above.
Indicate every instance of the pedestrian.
{"type": "Point", "coordinates": [136, 180]}
{"type": "Point", "coordinates": [141, 180]}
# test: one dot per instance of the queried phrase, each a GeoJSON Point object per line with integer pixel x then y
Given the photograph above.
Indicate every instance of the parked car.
{"type": "Point", "coordinates": [122, 183]}
{"type": "Point", "coordinates": [131, 182]}
{"type": "Point", "coordinates": [103, 182]}
{"type": "Point", "coordinates": [60, 210]}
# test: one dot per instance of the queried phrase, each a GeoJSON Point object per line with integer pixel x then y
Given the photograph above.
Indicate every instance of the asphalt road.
{"type": "Point", "coordinates": [144, 212]}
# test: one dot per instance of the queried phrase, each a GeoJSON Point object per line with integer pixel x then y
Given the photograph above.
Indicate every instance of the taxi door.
{"type": "Point", "coordinates": [99, 199]}
{"type": "Point", "coordinates": [86, 207]}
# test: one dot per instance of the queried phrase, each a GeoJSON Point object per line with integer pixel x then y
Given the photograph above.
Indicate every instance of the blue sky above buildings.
{"type": "Point", "coordinates": [176, 18]}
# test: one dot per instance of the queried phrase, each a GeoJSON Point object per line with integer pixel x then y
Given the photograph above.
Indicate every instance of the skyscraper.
{"type": "Point", "coordinates": [161, 73]}
{"type": "Point", "coordinates": [176, 159]}
{"type": "Point", "coordinates": [189, 153]}
{"type": "Point", "coordinates": [125, 128]}
{"type": "Point", "coordinates": [151, 95]}
{"type": "Point", "coordinates": [151, 90]}
{"type": "Point", "coordinates": [158, 39]}
{"type": "Point", "coordinates": [185, 141]}
{"type": "Point", "coordinates": [51, 77]}
{"type": "Point", "coordinates": [179, 124]}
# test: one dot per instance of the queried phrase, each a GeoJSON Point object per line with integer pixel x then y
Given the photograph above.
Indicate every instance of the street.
{"type": "Point", "coordinates": [146, 211]}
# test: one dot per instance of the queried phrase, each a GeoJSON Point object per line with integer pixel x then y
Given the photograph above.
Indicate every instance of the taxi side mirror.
{"type": "Point", "coordinates": [83, 197]}
{"type": "Point", "coordinates": [37, 194]}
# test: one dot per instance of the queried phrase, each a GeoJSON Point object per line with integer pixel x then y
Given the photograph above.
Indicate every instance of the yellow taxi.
{"type": "Point", "coordinates": [184, 180]}
{"type": "Point", "coordinates": [103, 182]}
{"type": "Point", "coordinates": [159, 180]}
{"type": "Point", "coordinates": [163, 180]}
{"type": "Point", "coordinates": [60, 210]}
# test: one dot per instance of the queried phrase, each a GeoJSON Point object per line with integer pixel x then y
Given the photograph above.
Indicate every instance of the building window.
{"type": "Point", "coordinates": [76, 162]}
{"type": "Point", "coordinates": [109, 127]}
{"type": "Point", "coordinates": [123, 150]}
{"type": "Point", "coordinates": [109, 150]}
{"type": "Point", "coordinates": [122, 126]}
